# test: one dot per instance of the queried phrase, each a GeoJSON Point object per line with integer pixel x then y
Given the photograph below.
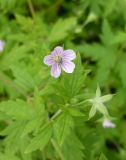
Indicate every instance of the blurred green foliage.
{"type": "Point", "coordinates": [30, 128]}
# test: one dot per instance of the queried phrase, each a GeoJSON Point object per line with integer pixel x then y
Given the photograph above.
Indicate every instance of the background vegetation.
{"type": "Point", "coordinates": [30, 97]}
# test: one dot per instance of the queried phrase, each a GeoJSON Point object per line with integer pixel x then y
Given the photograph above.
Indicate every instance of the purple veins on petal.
{"type": "Point", "coordinates": [60, 59]}
{"type": "Point", "coordinates": [55, 70]}
{"type": "Point", "coordinates": [57, 51]}
{"type": "Point", "coordinates": [69, 54]}
{"type": "Point", "coordinates": [68, 66]}
{"type": "Point", "coordinates": [48, 60]}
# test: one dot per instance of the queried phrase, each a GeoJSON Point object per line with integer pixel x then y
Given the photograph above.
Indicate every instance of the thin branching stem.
{"type": "Point", "coordinates": [57, 148]}
{"type": "Point", "coordinates": [31, 8]}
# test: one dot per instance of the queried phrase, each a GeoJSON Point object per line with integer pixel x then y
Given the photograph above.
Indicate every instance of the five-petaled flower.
{"type": "Point", "coordinates": [60, 59]}
{"type": "Point", "coordinates": [2, 44]}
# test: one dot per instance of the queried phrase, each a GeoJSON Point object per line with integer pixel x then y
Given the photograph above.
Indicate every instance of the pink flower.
{"type": "Point", "coordinates": [2, 44]}
{"type": "Point", "coordinates": [108, 124]}
{"type": "Point", "coordinates": [60, 59]}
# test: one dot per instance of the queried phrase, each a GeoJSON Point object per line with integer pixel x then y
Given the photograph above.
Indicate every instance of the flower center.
{"type": "Point", "coordinates": [58, 59]}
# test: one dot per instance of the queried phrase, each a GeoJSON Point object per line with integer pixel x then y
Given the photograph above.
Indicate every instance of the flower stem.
{"type": "Point", "coordinates": [31, 8]}
{"type": "Point", "coordinates": [80, 103]}
{"type": "Point", "coordinates": [57, 148]}
{"type": "Point", "coordinates": [56, 114]}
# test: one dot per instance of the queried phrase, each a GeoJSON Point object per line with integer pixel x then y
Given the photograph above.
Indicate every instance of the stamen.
{"type": "Point", "coordinates": [58, 59]}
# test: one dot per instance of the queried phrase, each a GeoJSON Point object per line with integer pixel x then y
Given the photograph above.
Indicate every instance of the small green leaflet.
{"type": "Point", "coordinates": [8, 156]}
{"type": "Point", "coordinates": [18, 109]}
{"type": "Point", "coordinates": [102, 157]}
{"type": "Point", "coordinates": [61, 28]}
{"type": "Point", "coordinates": [73, 148]}
{"type": "Point", "coordinates": [75, 112]}
{"type": "Point", "coordinates": [73, 83]}
{"type": "Point", "coordinates": [62, 127]}
{"type": "Point", "coordinates": [41, 139]}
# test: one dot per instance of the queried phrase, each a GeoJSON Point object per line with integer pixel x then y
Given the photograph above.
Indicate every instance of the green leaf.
{"type": "Point", "coordinates": [102, 157]}
{"type": "Point", "coordinates": [26, 23]}
{"type": "Point", "coordinates": [119, 38]}
{"type": "Point", "coordinates": [8, 156]}
{"type": "Point", "coordinates": [75, 112]}
{"type": "Point", "coordinates": [73, 148]}
{"type": "Point", "coordinates": [61, 28]}
{"type": "Point", "coordinates": [41, 139]}
{"type": "Point", "coordinates": [18, 109]}
{"type": "Point", "coordinates": [32, 125]}
{"type": "Point", "coordinates": [38, 102]}
{"type": "Point", "coordinates": [109, 7]}
{"type": "Point", "coordinates": [62, 127]}
{"type": "Point", "coordinates": [23, 78]}
{"type": "Point", "coordinates": [73, 83]}
{"type": "Point", "coordinates": [107, 34]}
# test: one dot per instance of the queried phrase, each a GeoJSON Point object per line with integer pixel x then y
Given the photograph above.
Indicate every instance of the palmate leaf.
{"type": "Point", "coordinates": [71, 84]}
{"type": "Point", "coordinates": [23, 78]}
{"type": "Point", "coordinates": [32, 125]}
{"type": "Point", "coordinates": [41, 139]}
{"type": "Point", "coordinates": [18, 109]}
{"type": "Point", "coordinates": [38, 102]}
{"type": "Point", "coordinates": [73, 148]}
{"type": "Point", "coordinates": [76, 80]}
{"type": "Point", "coordinates": [61, 28]}
{"type": "Point", "coordinates": [26, 23]}
{"type": "Point", "coordinates": [13, 136]}
{"type": "Point", "coordinates": [16, 53]}
{"type": "Point", "coordinates": [105, 57]}
{"type": "Point", "coordinates": [62, 127]}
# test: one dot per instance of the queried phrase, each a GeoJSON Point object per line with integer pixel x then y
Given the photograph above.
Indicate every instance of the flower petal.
{"type": "Point", "coordinates": [57, 51]}
{"type": "Point", "coordinates": [69, 54]}
{"type": "Point", "coordinates": [108, 124]}
{"type": "Point", "coordinates": [68, 66]}
{"type": "Point", "coordinates": [48, 60]}
{"type": "Point", "coordinates": [55, 70]}
{"type": "Point", "coordinates": [2, 44]}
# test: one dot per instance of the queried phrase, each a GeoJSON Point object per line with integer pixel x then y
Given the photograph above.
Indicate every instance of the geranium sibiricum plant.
{"type": "Point", "coordinates": [60, 59]}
